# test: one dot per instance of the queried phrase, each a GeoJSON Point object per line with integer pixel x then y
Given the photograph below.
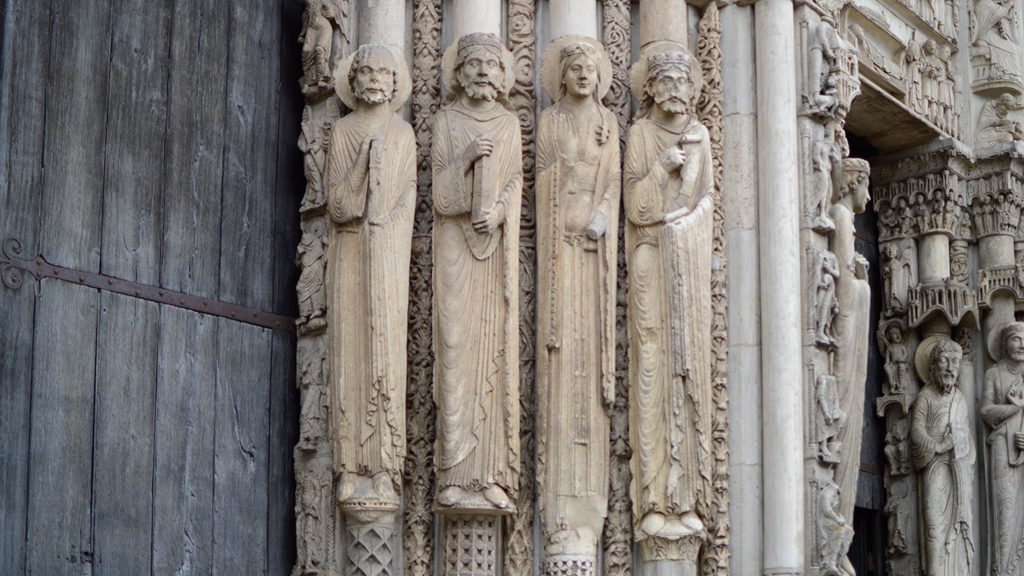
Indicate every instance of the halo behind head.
{"type": "Point", "coordinates": [657, 52]}
{"type": "Point", "coordinates": [485, 40]}
{"type": "Point", "coordinates": [403, 82]}
{"type": "Point", "coordinates": [998, 334]}
{"type": "Point", "coordinates": [923, 355]}
{"type": "Point", "coordinates": [551, 67]}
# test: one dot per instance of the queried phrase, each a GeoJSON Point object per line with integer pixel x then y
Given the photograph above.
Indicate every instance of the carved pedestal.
{"type": "Point", "coordinates": [471, 545]}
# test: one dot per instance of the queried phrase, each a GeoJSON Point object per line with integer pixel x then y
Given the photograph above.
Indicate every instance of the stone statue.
{"type": "Point", "coordinates": [578, 186]}
{"type": "Point", "coordinates": [994, 37]}
{"type": "Point", "coordinates": [850, 326]}
{"type": "Point", "coordinates": [1000, 121]}
{"type": "Point", "coordinates": [477, 186]}
{"type": "Point", "coordinates": [834, 532]}
{"type": "Point", "coordinates": [1002, 409]}
{"type": "Point", "coordinates": [943, 453]}
{"type": "Point", "coordinates": [896, 349]}
{"type": "Point", "coordinates": [823, 281]}
{"type": "Point", "coordinates": [312, 294]}
{"type": "Point", "coordinates": [668, 202]}
{"type": "Point", "coordinates": [896, 451]}
{"type": "Point", "coordinates": [824, 158]}
{"type": "Point", "coordinates": [316, 37]}
{"type": "Point", "coordinates": [314, 138]}
{"type": "Point", "coordinates": [830, 419]}
{"type": "Point", "coordinates": [898, 276]}
{"type": "Point", "coordinates": [914, 60]}
{"type": "Point", "coordinates": [371, 193]}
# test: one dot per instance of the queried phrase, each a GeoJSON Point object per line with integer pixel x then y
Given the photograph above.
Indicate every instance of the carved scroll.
{"type": "Point", "coordinates": [419, 463]}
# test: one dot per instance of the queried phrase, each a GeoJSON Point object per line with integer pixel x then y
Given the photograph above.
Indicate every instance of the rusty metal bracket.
{"type": "Point", "coordinates": [12, 268]}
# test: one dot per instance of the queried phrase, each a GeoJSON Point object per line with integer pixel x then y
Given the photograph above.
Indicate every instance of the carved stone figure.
{"type": "Point", "coordinates": [943, 453]}
{"type": "Point", "coordinates": [668, 180]}
{"type": "Point", "coordinates": [850, 325]}
{"type": "Point", "coordinates": [834, 532]}
{"type": "Point", "coordinates": [823, 281]}
{"type": "Point", "coordinates": [314, 139]}
{"type": "Point", "coordinates": [1002, 409]}
{"type": "Point", "coordinates": [893, 345]}
{"type": "Point", "coordinates": [897, 515]}
{"type": "Point", "coordinates": [999, 121]}
{"type": "Point", "coordinates": [914, 60]}
{"type": "Point", "coordinates": [897, 453]}
{"type": "Point", "coordinates": [994, 38]}
{"type": "Point", "coordinates": [316, 37]}
{"type": "Point", "coordinates": [313, 416]}
{"type": "Point", "coordinates": [578, 185]}
{"type": "Point", "coordinates": [898, 276]}
{"type": "Point", "coordinates": [949, 88]}
{"type": "Point", "coordinates": [314, 522]}
{"type": "Point", "coordinates": [371, 191]}
{"type": "Point", "coordinates": [477, 187]}
{"type": "Point", "coordinates": [825, 157]}
{"type": "Point", "coordinates": [311, 291]}
{"type": "Point", "coordinates": [933, 70]}
{"type": "Point", "coordinates": [821, 79]}
{"type": "Point", "coordinates": [830, 419]}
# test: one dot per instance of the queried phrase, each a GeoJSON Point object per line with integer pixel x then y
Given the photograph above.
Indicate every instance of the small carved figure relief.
{"type": "Point", "coordinates": [1001, 121]}
{"type": "Point", "coordinates": [851, 324]}
{"type": "Point", "coordinates": [477, 186]}
{"type": "Point", "coordinates": [313, 416]}
{"type": "Point", "coordinates": [311, 291]}
{"type": "Point", "coordinates": [933, 70]}
{"type": "Point", "coordinates": [898, 276]}
{"type": "Point", "coordinates": [668, 188]}
{"type": "Point", "coordinates": [314, 523]}
{"type": "Point", "coordinates": [897, 518]}
{"type": "Point", "coordinates": [314, 139]}
{"type": "Point", "coordinates": [822, 68]}
{"type": "Point", "coordinates": [1002, 409]}
{"type": "Point", "coordinates": [834, 533]}
{"type": "Point", "coordinates": [943, 453]}
{"type": "Point", "coordinates": [913, 57]}
{"type": "Point", "coordinates": [897, 453]}
{"type": "Point", "coordinates": [823, 280]}
{"type": "Point", "coordinates": [316, 38]}
{"type": "Point", "coordinates": [578, 188]}
{"type": "Point", "coordinates": [371, 191]}
{"type": "Point", "coordinates": [831, 419]}
{"type": "Point", "coordinates": [893, 345]}
{"type": "Point", "coordinates": [826, 155]}
{"type": "Point", "coordinates": [949, 93]}
{"type": "Point", "coordinates": [994, 39]}
{"type": "Point", "coordinates": [958, 260]}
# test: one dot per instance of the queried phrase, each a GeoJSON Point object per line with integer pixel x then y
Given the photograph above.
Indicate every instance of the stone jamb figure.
{"type": "Point", "coordinates": [578, 194]}
{"type": "Point", "coordinates": [477, 187]}
{"type": "Point", "coordinates": [943, 453]}
{"type": "Point", "coordinates": [1002, 410]}
{"type": "Point", "coordinates": [825, 306]}
{"type": "Point", "coordinates": [668, 193]}
{"type": "Point", "coordinates": [892, 343]}
{"type": "Point", "coordinates": [316, 39]}
{"type": "Point", "coordinates": [371, 191]}
{"type": "Point", "coordinates": [312, 294]}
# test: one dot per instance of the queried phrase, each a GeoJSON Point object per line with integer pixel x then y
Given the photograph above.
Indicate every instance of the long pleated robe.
{"type": "Point", "coordinates": [476, 301]}
{"type": "Point", "coordinates": [669, 317]}
{"type": "Point", "coordinates": [1007, 468]}
{"type": "Point", "coordinates": [946, 480]}
{"type": "Point", "coordinates": [578, 177]}
{"type": "Point", "coordinates": [368, 274]}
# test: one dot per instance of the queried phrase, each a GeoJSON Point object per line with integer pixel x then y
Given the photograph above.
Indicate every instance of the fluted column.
{"type": "Point", "coordinates": [779, 234]}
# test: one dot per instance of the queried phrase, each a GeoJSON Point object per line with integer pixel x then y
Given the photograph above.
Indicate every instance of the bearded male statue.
{"type": "Point", "coordinates": [668, 186]}
{"type": "Point", "coordinates": [943, 453]}
{"type": "Point", "coordinates": [371, 193]}
{"type": "Point", "coordinates": [477, 189]}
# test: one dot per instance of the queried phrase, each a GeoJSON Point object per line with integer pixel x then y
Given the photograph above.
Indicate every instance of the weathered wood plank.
{"type": "Point", "coordinates": [123, 453]}
{"type": "Point", "coordinates": [284, 434]}
{"type": "Point", "coordinates": [183, 476]}
{"type": "Point", "coordinates": [250, 154]}
{"type": "Point", "coordinates": [241, 453]}
{"type": "Point", "coordinates": [60, 461]}
{"type": "Point", "coordinates": [190, 262]}
{"type": "Point", "coordinates": [22, 105]}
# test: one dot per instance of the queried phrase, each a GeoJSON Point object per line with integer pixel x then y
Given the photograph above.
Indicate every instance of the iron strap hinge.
{"type": "Point", "coordinates": [11, 267]}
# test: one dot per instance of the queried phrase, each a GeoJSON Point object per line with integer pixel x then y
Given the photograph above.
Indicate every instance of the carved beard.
{"type": "Point", "coordinates": [672, 104]}
{"type": "Point", "coordinates": [486, 90]}
{"type": "Point", "coordinates": [946, 381]}
{"type": "Point", "coordinates": [373, 94]}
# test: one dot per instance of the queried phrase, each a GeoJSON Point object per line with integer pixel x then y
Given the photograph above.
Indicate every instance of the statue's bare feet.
{"type": "Point", "coordinates": [345, 487]}
{"type": "Point", "coordinates": [382, 486]}
{"type": "Point", "coordinates": [652, 523]}
{"type": "Point", "coordinates": [449, 496]}
{"type": "Point", "coordinates": [496, 496]}
{"type": "Point", "coordinates": [691, 521]}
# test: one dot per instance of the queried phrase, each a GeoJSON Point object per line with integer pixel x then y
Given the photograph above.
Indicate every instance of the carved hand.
{"type": "Point", "coordinates": [1018, 440]}
{"type": "Point", "coordinates": [1016, 397]}
{"type": "Point", "coordinates": [945, 446]}
{"type": "Point", "coordinates": [489, 223]}
{"type": "Point", "coordinates": [481, 146]}
{"type": "Point", "coordinates": [672, 158]}
{"type": "Point", "coordinates": [598, 225]}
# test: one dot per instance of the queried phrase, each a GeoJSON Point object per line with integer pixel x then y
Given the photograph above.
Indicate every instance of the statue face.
{"type": "Point", "coordinates": [670, 89]}
{"type": "Point", "coordinates": [373, 84]}
{"type": "Point", "coordinates": [479, 74]}
{"type": "Point", "coordinates": [945, 370]}
{"type": "Point", "coordinates": [1013, 346]}
{"type": "Point", "coordinates": [579, 76]}
{"type": "Point", "coordinates": [858, 182]}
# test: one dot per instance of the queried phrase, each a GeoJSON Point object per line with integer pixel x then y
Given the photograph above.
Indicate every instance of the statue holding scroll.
{"type": "Point", "coordinates": [668, 180]}
{"type": "Point", "coordinates": [477, 188]}
{"type": "Point", "coordinates": [578, 184]}
{"type": "Point", "coordinates": [371, 193]}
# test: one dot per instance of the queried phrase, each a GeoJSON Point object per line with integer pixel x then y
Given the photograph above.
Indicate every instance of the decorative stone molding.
{"type": "Point", "coordinates": [955, 302]}
{"type": "Point", "coordinates": [992, 281]}
{"type": "Point", "coordinates": [921, 195]}
{"type": "Point", "coordinates": [996, 201]}
{"type": "Point", "coordinates": [471, 545]}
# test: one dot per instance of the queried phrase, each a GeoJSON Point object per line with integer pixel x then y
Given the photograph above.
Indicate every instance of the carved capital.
{"type": "Point", "coordinates": [996, 200]}
{"type": "Point", "coordinates": [657, 548]}
{"type": "Point", "coordinates": [920, 195]}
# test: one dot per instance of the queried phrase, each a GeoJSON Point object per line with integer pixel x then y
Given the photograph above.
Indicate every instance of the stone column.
{"type": "Point", "coordinates": [779, 235]}
{"type": "Point", "coordinates": [663, 20]}
{"type": "Point", "coordinates": [382, 22]}
{"type": "Point", "coordinates": [739, 196]}
{"type": "Point", "coordinates": [577, 17]}
{"type": "Point", "coordinates": [470, 16]}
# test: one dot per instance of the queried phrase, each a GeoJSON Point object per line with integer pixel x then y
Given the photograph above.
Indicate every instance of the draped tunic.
{"type": "Point", "coordinates": [669, 317]}
{"type": "Point", "coordinates": [476, 301]}
{"type": "Point", "coordinates": [368, 283]}
{"type": "Point", "coordinates": [1004, 420]}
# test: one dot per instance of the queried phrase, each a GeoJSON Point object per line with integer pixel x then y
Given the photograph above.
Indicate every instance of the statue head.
{"type": "Point", "coordinates": [1011, 337]}
{"type": "Point", "coordinates": [480, 67]}
{"type": "Point", "coordinates": [944, 365]}
{"type": "Point", "coordinates": [929, 46]}
{"type": "Point", "coordinates": [373, 75]}
{"type": "Point", "coordinates": [669, 85]}
{"type": "Point", "coordinates": [894, 333]}
{"type": "Point", "coordinates": [581, 75]}
{"type": "Point", "coordinates": [856, 176]}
